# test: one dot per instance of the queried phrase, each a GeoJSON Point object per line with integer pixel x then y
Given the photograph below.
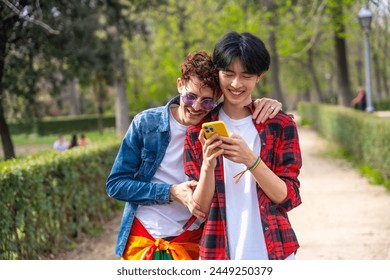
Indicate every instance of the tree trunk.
{"type": "Point", "coordinates": [306, 95]}
{"type": "Point", "coordinates": [377, 76]}
{"type": "Point", "coordinates": [344, 89]}
{"type": "Point", "coordinates": [74, 102]}
{"type": "Point", "coordinates": [99, 95]}
{"type": "Point", "coordinates": [385, 82]}
{"type": "Point", "coordinates": [122, 120]}
{"type": "Point", "coordinates": [274, 67]}
{"type": "Point", "coordinates": [359, 71]}
{"type": "Point", "coordinates": [8, 147]}
{"type": "Point", "coordinates": [278, 94]}
{"type": "Point", "coordinates": [384, 72]}
{"type": "Point", "coordinates": [312, 72]}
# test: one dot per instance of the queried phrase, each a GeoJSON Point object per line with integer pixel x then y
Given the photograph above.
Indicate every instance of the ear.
{"type": "Point", "coordinates": [260, 76]}
{"type": "Point", "coordinates": [180, 85]}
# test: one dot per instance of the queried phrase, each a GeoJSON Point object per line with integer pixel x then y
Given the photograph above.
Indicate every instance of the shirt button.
{"type": "Point", "coordinates": [266, 228]}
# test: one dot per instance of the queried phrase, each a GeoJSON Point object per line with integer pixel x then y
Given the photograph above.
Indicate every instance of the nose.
{"type": "Point", "coordinates": [236, 82]}
{"type": "Point", "coordinates": [197, 105]}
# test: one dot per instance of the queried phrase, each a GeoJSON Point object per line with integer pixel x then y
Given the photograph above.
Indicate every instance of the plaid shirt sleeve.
{"type": "Point", "coordinates": [281, 152]}
{"type": "Point", "coordinates": [283, 156]}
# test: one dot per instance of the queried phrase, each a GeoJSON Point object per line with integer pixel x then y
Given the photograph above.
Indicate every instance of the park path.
{"type": "Point", "coordinates": [342, 216]}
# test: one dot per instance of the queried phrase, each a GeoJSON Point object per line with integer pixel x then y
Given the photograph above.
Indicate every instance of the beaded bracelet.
{"type": "Point", "coordinates": [257, 162]}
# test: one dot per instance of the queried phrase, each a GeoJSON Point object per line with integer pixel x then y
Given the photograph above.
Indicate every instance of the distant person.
{"type": "Point", "coordinates": [360, 102]}
{"type": "Point", "coordinates": [60, 144]}
{"type": "Point", "coordinates": [83, 141]}
{"type": "Point", "coordinates": [73, 141]}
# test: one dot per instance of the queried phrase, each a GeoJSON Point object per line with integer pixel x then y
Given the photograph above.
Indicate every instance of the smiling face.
{"type": "Point", "coordinates": [237, 84]}
{"type": "Point", "coordinates": [242, 59]}
{"type": "Point", "coordinates": [192, 114]}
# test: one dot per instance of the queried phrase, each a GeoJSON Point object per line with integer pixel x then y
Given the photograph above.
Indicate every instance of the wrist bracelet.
{"type": "Point", "coordinates": [257, 162]}
{"type": "Point", "coordinates": [239, 175]}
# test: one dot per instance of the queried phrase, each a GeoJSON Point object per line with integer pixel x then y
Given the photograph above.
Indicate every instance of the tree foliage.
{"type": "Point", "coordinates": [128, 52]}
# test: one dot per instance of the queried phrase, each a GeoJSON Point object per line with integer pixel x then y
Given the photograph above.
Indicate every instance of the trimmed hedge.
{"type": "Point", "coordinates": [62, 125]}
{"type": "Point", "coordinates": [48, 199]}
{"type": "Point", "coordinates": [363, 135]}
{"type": "Point", "coordinates": [383, 105]}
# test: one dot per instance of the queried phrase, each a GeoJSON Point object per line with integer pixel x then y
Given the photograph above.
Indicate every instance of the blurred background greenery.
{"type": "Point", "coordinates": [103, 57]}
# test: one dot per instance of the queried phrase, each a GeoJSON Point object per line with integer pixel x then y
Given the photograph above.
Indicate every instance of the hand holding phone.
{"type": "Point", "coordinates": [211, 128]}
{"type": "Point", "coordinates": [219, 127]}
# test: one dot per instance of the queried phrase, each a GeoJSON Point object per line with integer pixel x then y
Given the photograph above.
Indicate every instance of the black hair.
{"type": "Point", "coordinates": [248, 48]}
{"type": "Point", "coordinates": [73, 140]}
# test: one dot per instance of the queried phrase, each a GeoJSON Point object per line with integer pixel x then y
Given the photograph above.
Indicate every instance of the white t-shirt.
{"type": "Point", "coordinates": [244, 228]}
{"type": "Point", "coordinates": [60, 146]}
{"type": "Point", "coordinates": [164, 220]}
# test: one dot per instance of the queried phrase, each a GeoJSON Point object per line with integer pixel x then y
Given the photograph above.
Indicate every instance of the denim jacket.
{"type": "Point", "coordinates": [140, 154]}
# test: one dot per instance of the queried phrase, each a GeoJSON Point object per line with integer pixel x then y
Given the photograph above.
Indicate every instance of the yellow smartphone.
{"type": "Point", "coordinates": [218, 127]}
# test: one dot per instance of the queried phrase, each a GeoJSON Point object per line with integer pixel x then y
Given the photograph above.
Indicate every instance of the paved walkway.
{"type": "Point", "coordinates": [342, 216]}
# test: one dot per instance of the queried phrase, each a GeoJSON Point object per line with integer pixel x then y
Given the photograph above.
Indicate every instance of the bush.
{"type": "Point", "coordinates": [48, 200]}
{"type": "Point", "coordinates": [364, 135]}
{"type": "Point", "coordinates": [383, 105]}
{"type": "Point", "coordinates": [62, 125]}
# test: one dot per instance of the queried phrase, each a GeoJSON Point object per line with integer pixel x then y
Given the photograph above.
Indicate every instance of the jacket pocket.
{"type": "Point", "coordinates": [148, 161]}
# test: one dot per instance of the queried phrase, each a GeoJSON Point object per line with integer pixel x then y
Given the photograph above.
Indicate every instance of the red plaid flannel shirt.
{"type": "Point", "coordinates": [280, 151]}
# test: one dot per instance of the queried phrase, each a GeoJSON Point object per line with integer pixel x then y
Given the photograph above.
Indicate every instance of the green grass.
{"type": "Point", "coordinates": [41, 144]}
{"type": "Point", "coordinates": [34, 139]}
